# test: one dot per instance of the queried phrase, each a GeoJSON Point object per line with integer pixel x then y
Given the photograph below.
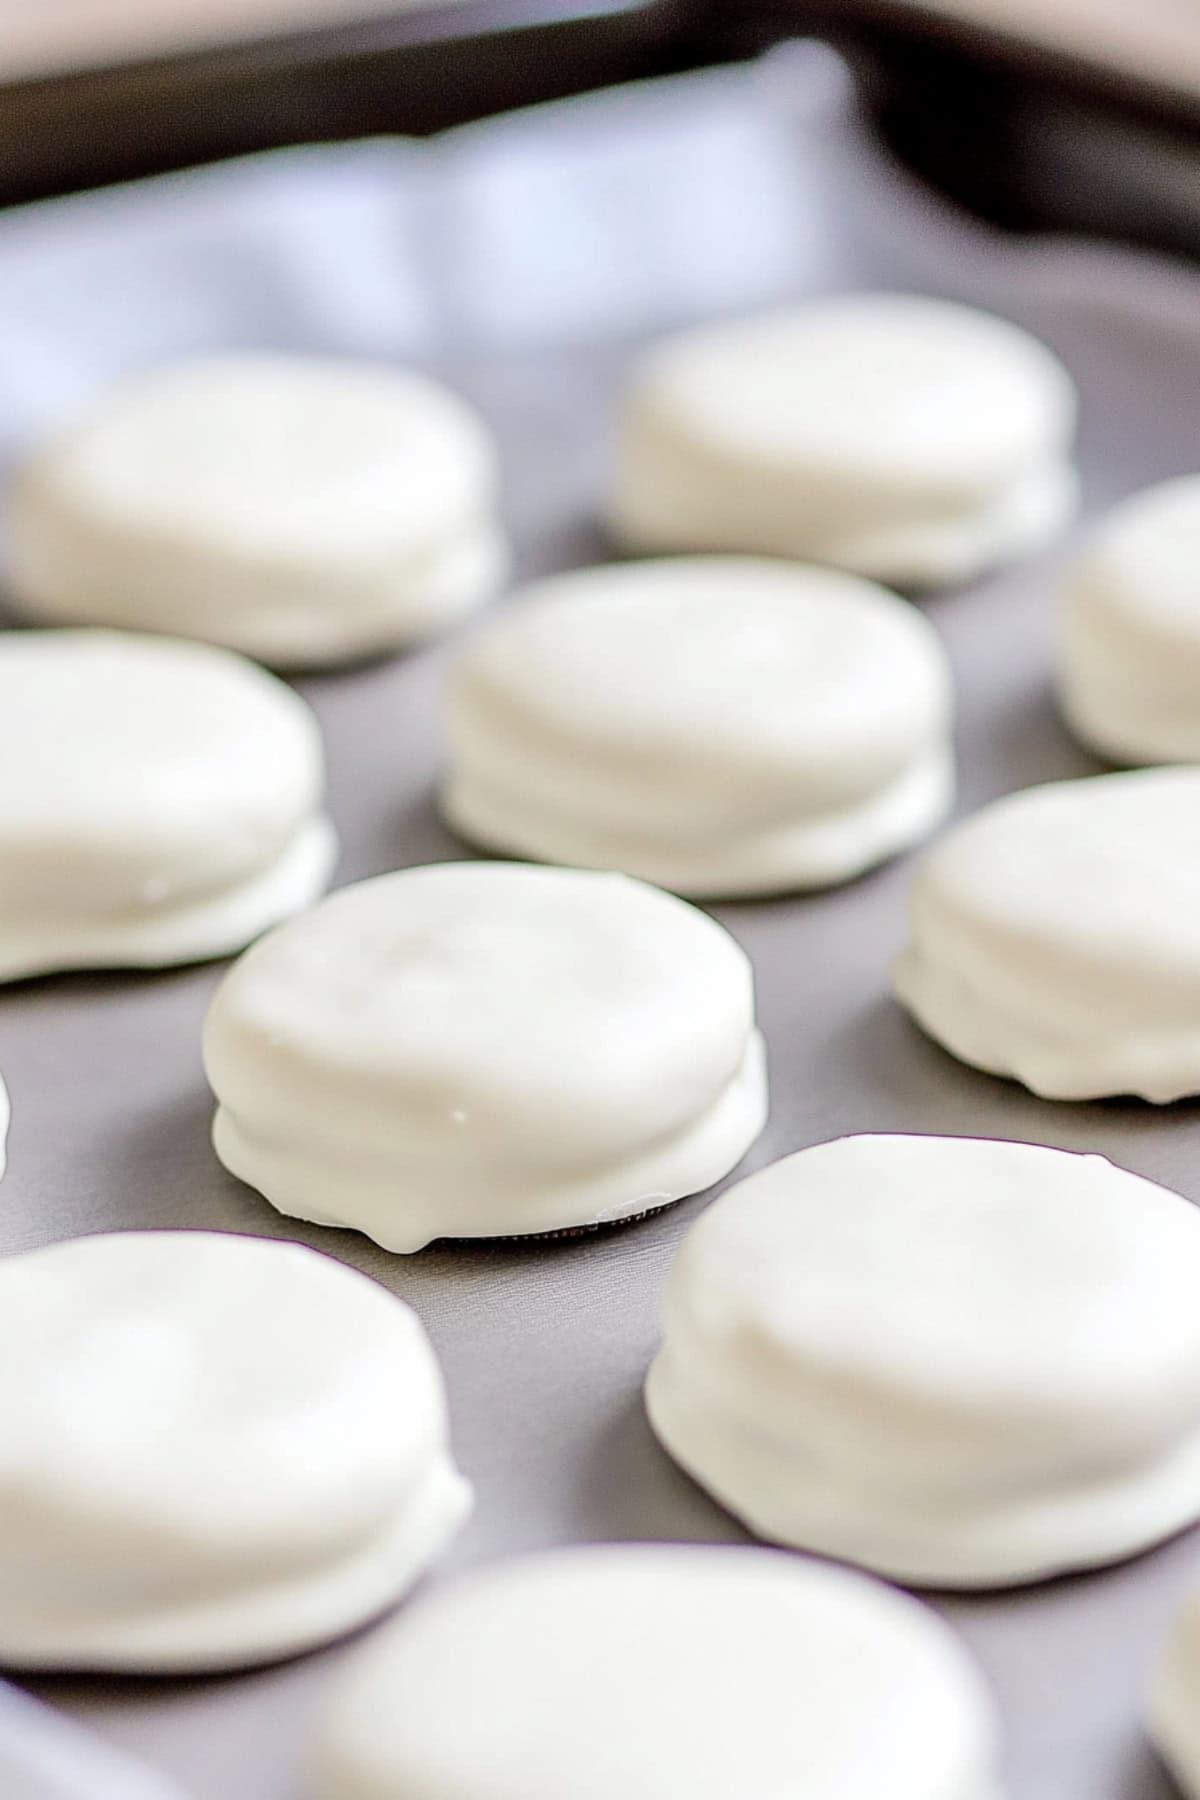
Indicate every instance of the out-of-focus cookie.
{"type": "Point", "coordinates": [958, 1362]}
{"type": "Point", "coordinates": [1129, 630]}
{"type": "Point", "coordinates": [908, 439]}
{"type": "Point", "coordinates": [302, 510]}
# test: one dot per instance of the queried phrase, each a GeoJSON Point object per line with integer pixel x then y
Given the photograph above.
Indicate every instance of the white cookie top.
{"type": "Point", "coordinates": [1056, 936]}
{"type": "Point", "coordinates": [714, 675]}
{"type": "Point", "coordinates": [257, 1449]}
{"type": "Point", "coordinates": [135, 760]}
{"type": "Point", "coordinates": [1002, 1277]}
{"type": "Point", "coordinates": [159, 801]}
{"type": "Point", "coordinates": [655, 1673]}
{"type": "Point", "coordinates": [454, 1050]}
{"type": "Point", "coordinates": [1108, 869]}
{"type": "Point", "coordinates": [903, 392]}
{"type": "Point", "coordinates": [953, 1360]}
{"type": "Point", "coordinates": [273, 454]}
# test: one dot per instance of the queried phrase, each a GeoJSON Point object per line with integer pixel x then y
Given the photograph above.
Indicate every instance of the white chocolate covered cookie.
{"type": "Point", "coordinates": [302, 510]}
{"type": "Point", "coordinates": [486, 1050]}
{"type": "Point", "coordinates": [1055, 937]}
{"type": "Point", "coordinates": [909, 439]}
{"type": "Point", "coordinates": [1129, 630]}
{"type": "Point", "coordinates": [956, 1361]}
{"type": "Point", "coordinates": [717, 725]}
{"type": "Point", "coordinates": [213, 1450]}
{"type": "Point", "coordinates": [659, 1673]}
{"type": "Point", "coordinates": [160, 802]}
{"type": "Point", "coordinates": [1173, 1698]}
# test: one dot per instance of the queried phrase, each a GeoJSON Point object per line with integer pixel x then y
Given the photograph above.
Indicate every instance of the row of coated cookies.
{"type": "Point", "coordinates": [473, 1050]}
{"type": "Point", "coordinates": [173, 810]}
{"type": "Point", "coordinates": [308, 511]}
{"type": "Point", "coordinates": [1003, 1410]}
{"type": "Point", "coordinates": [715, 725]}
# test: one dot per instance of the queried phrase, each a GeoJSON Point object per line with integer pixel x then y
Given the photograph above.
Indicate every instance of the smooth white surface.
{"type": "Point", "coordinates": [1173, 1697]}
{"type": "Point", "coordinates": [160, 802]}
{"type": "Point", "coordinates": [304, 510]}
{"type": "Point", "coordinates": [1055, 937]}
{"type": "Point", "coordinates": [659, 1673]}
{"type": "Point", "coordinates": [960, 1362]}
{"type": "Point", "coordinates": [716, 725]}
{"type": "Point", "coordinates": [909, 439]}
{"type": "Point", "coordinates": [1129, 630]}
{"type": "Point", "coordinates": [213, 1450]}
{"type": "Point", "coordinates": [483, 1050]}
{"type": "Point", "coordinates": [5, 1120]}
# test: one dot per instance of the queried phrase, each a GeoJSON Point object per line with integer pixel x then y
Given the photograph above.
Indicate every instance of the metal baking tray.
{"type": "Point", "coordinates": [531, 308]}
{"type": "Point", "coordinates": [407, 67]}
{"type": "Point", "coordinates": [1066, 115]}
{"type": "Point", "coordinates": [1081, 115]}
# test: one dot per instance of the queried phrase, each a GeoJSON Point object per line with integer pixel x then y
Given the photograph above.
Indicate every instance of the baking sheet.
{"type": "Point", "coordinates": [522, 259]}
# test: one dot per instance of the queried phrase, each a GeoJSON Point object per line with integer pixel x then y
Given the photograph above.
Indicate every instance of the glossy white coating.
{"type": "Point", "coordinates": [303, 510]}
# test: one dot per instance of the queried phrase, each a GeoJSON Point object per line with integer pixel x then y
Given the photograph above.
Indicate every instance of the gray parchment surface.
{"type": "Point", "coordinates": [522, 260]}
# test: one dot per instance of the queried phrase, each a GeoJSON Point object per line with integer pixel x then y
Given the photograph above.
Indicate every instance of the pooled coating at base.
{"type": "Point", "coordinates": [486, 1050]}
